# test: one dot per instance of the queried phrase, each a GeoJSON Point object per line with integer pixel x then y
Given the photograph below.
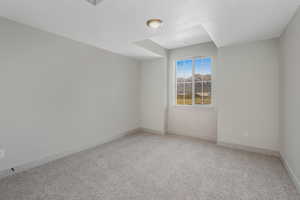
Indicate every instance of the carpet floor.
{"type": "Point", "coordinates": [145, 167]}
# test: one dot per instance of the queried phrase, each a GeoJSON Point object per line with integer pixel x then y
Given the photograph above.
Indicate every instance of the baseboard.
{"type": "Point", "coordinates": [250, 149]}
{"type": "Point", "coordinates": [206, 138]}
{"type": "Point", "coordinates": [291, 173]}
{"type": "Point", "coordinates": [47, 159]}
{"type": "Point", "coordinates": [151, 131]}
{"type": "Point", "coordinates": [130, 132]}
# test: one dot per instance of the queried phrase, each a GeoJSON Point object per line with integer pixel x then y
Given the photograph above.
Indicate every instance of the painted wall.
{"type": "Point", "coordinates": [248, 105]}
{"type": "Point", "coordinates": [58, 95]}
{"type": "Point", "coordinates": [192, 121]}
{"type": "Point", "coordinates": [153, 95]}
{"type": "Point", "coordinates": [290, 97]}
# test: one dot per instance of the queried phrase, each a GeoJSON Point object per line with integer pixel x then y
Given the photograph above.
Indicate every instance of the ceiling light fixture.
{"type": "Point", "coordinates": [154, 23]}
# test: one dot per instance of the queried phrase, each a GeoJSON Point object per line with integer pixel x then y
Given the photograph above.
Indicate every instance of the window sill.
{"type": "Point", "coordinates": [192, 107]}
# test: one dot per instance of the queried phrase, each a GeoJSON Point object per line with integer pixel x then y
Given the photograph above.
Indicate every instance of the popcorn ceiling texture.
{"type": "Point", "coordinates": [145, 167]}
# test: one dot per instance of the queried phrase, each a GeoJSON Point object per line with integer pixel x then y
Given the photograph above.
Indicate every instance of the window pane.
{"type": "Point", "coordinates": [180, 93]}
{"type": "Point", "coordinates": [184, 69]}
{"type": "Point", "coordinates": [203, 80]}
{"type": "Point", "coordinates": [188, 93]}
{"type": "Point", "coordinates": [198, 92]}
{"type": "Point", "coordinates": [203, 69]}
{"type": "Point", "coordinates": [184, 73]}
{"type": "Point", "coordinates": [207, 92]}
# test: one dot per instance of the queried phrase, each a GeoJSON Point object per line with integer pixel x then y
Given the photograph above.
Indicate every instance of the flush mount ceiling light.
{"type": "Point", "coordinates": [154, 23]}
{"type": "Point", "coordinates": [94, 2]}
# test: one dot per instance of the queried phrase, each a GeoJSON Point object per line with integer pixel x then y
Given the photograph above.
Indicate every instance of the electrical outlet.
{"type": "Point", "coordinates": [246, 134]}
{"type": "Point", "coordinates": [2, 153]}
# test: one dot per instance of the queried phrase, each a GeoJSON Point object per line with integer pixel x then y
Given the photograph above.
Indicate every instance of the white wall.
{"type": "Point", "coordinates": [248, 94]}
{"type": "Point", "coordinates": [153, 94]}
{"type": "Point", "coordinates": [290, 104]}
{"type": "Point", "coordinates": [58, 95]}
{"type": "Point", "coordinates": [192, 121]}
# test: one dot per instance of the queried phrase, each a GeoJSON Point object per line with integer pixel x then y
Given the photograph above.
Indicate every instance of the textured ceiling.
{"type": "Point", "coordinates": [182, 38]}
{"type": "Point", "coordinates": [116, 25]}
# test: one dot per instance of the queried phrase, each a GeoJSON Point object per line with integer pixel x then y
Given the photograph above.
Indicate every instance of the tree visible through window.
{"type": "Point", "coordinates": [193, 81]}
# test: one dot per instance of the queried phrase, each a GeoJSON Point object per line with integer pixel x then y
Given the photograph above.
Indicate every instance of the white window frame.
{"type": "Point", "coordinates": [193, 83]}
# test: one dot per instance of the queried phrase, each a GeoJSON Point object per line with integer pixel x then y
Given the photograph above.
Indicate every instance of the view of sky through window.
{"type": "Point", "coordinates": [203, 66]}
{"type": "Point", "coordinates": [184, 68]}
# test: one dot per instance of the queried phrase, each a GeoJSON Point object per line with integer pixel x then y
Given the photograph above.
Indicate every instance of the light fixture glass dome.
{"type": "Point", "coordinates": [154, 23]}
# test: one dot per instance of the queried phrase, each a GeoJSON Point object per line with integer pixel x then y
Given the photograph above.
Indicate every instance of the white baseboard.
{"type": "Point", "coordinates": [206, 138]}
{"type": "Point", "coordinates": [249, 149]}
{"type": "Point", "coordinates": [291, 173]}
{"type": "Point", "coordinates": [151, 131]}
{"type": "Point", "coordinates": [47, 159]}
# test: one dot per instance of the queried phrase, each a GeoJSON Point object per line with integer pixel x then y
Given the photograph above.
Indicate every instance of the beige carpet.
{"type": "Point", "coordinates": [154, 167]}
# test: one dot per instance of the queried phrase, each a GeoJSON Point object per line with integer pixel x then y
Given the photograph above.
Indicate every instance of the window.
{"type": "Point", "coordinates": [193, 81]}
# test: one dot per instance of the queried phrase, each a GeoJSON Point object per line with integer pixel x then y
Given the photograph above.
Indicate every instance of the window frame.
{"type": "Point", "coordinates": [193, 83]}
